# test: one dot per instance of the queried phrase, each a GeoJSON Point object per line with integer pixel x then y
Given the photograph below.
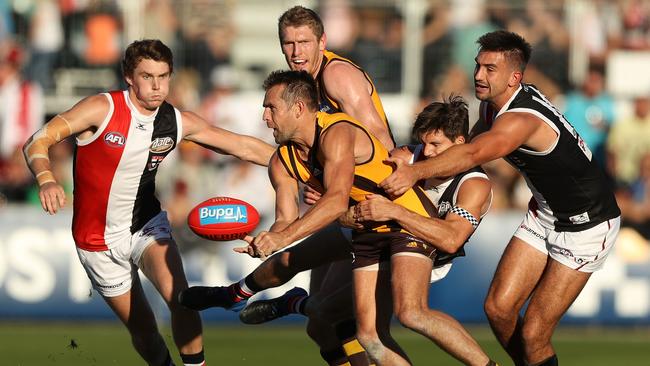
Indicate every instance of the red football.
{"type": "Point", "coordinates": [223, 218]}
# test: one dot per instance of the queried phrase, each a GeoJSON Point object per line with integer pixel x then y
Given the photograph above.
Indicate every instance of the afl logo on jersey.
{"type": "Point", "coordinates": [161, 145]}
{"type": "Point", "coordinates": [114, 139]}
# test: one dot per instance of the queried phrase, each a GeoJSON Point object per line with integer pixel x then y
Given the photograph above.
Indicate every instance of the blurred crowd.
{"type": "Point", "coordinates": [50, 49]}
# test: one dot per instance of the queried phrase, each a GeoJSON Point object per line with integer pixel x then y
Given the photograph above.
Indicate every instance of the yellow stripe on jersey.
{"type": "Point", "coordinates": [367, 175]}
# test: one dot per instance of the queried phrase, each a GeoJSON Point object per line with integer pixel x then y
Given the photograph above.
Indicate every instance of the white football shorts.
{"type": "Point", "coordinates": [112, 271]}
{"type": "Point", "coordinates": [584, 251]}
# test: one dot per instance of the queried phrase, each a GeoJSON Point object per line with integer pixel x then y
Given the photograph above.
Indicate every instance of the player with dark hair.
{"type": "Point", "coordinates": [572, 220]}
{"type": "Point", "coordinates": [461, 201]}
{"type": "Point", "coordinates": [118, 225]}
{"type": "Point", "coordinates": [342, 87]}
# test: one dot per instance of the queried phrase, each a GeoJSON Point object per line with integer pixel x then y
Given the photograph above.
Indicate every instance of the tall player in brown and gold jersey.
{"type": "Point", "coordinates": [338, 157]}
{"type": "Point", "coordinates": [342, 87]}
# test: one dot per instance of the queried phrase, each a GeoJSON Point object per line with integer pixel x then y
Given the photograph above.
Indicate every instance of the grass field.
{"type": "Point", "coordinates": [32, 344]}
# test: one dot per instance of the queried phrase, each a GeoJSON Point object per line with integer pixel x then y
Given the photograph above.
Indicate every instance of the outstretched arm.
{"type": "Point", "coordinates": [244, 147]}
{"type": "Point", "coordinates": [349, 87]}
{"type": "Point", "coordinates": [337, 149]}
{"type": "Point", "coordinates": [286, 212]}
{"type": "Point", "coordinates": [85, 115]}
{"type": "Point", "coordinates": [447, 235]}
{"type": "Point", "coordinates": [510, 131]}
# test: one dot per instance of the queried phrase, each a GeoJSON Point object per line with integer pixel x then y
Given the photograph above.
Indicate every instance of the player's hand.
{"type": "Point", "coordinates": [402, 153]}
{"type": "Point", "coordinates": [52, 197]}
{"type": "Point", "coordinates": [375, 208]}
{"type": "Point", "coordinates": [349, 220]}
{"type": "Point", "coordinates": [403, 177]}
{"type": "Point", "coordinates": [248, 249]}
{"type": "Point", "coordinates": [262, 245]}
{"type": "Point", "coordinates": [310, 195]}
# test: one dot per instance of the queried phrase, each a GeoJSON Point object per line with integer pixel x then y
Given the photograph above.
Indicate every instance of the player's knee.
{"type": "Point", "coordinates": [496, 309]}
{"type": "Point", "coordinates": [411, 317]}
{"type": "Point", "coordinates": [535, 333]}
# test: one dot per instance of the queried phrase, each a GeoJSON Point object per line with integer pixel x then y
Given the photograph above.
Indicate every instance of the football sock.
{"type": "Point", "coordinates": [196, 359]}
{"type": "Point", "coordinates": [551, 361]}
{"type": "Point", "coordinates": [240, 291]}
{"type": "Point", "coordinates": [335, 357]}
{"type": "Point", "coordinates": [251, 285]}
{"type": "Point", "coordinates": [296, 304]}
{"type": "Point", "coordinates": [346, 331]}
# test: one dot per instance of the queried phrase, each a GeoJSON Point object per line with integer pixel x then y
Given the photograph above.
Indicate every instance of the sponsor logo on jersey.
{"type": "Point", "coordinates": [580, 219]}
{"type": "Point", "coordinates": [140, 126]}
{"type": "Point", "coordinates": [155, 161]}
{"type": "Point", "coordinates": [114, 139]}
{"type": "Point", "coordinates": [324, 107]}
{"type": "Point", "coordinates": [443, 208]}
{"type": "Point", "coordinates": [223, 214]}
{"type": "Point", "coordinates": [161, 144]}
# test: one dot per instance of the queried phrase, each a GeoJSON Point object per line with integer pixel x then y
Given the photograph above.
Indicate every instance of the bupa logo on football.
{"type": "Point", "coordinates": [114, 139]}
{"type": "Point", "coordinates": [223, 214]}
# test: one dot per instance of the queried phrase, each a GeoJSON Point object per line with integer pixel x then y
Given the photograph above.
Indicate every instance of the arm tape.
{"type": "Point", "coordinates": [45, 176]}
{"type": "Point", "coordinates": [54, 131]}
{"type": "Point", "coordinates": [466, 215]}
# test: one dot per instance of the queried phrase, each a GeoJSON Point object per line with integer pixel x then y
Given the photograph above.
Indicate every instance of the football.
{"type": "Point", "coordinates": [223, 218]}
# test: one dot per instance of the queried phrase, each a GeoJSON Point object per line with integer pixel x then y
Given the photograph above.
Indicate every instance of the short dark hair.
{"type": "Point", "coordinates": [299, 16]}
{"type": "Point", "coordinates": [450, 116]}
{"type": "Point", "coordinates": [514, 46]}
{"type": "Point", "coordinates": [299, 85]}
{"type": "Point", "coordinates": [152, 49]}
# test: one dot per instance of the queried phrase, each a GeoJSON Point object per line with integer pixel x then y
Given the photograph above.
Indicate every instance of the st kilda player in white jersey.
{"type": "Point", "coordinates": [118, 225]}
{"type": "Point", "coordinates": [573, 219]}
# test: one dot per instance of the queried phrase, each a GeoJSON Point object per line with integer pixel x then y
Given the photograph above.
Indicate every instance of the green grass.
{"type": "Point", "coordinates": [32, 344]}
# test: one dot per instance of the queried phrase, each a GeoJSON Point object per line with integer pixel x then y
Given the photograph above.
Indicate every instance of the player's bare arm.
{"type": "Point", "coordinates": [351, 90]}
{"type": "Point", "coordinates": [338, 161]}
{"type": "Point", "coordinates": [447, 235]}
{"type": "Point", "coordinates": [244, 147]}
{"type": "Point", "coordinates": [508, 132]}
{"type": "Point", "coordinates": [83, 119]}
{"type": "Point", "coordinates": [286, 207]}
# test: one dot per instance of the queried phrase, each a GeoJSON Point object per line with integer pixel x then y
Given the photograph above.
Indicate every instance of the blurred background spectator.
{"type": "Point", "coordinates": [629, 141]}
{"type": "Point", "coordinates": [590, 109]}
{"type": "Point", "coordinates": [634, 200]}
{"type": "Point", "coordinates": [20, 115]}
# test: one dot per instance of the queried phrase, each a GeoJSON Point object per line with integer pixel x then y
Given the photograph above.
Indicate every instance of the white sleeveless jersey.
{"type": "Point", "coordinates": [115, 170]}
{"type": "Point", "coordinates": [444, 195]}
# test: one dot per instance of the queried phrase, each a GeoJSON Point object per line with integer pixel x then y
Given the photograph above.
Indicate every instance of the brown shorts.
{"type": "Point", "coordinates": [373, 248]}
